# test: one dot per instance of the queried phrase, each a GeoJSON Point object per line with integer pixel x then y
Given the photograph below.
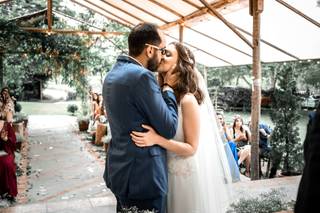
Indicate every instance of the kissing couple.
{"type": "Point", "coordinates": [167, 152]}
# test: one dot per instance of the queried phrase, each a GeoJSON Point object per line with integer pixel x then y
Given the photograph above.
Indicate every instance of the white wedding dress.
{"type": "Point", "coordinates": [200, 183]}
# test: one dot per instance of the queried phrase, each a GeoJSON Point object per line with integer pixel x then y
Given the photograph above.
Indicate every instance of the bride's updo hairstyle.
{"type": "Point", "coordinates": [188, 80]}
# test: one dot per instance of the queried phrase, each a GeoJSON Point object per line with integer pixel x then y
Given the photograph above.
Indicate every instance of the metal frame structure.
{"type": "Point", "coordinates": [182, 14]}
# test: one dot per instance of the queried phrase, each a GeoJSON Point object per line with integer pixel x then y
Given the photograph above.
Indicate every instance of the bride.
{"type": "Point", "coordinates": [198, 169]}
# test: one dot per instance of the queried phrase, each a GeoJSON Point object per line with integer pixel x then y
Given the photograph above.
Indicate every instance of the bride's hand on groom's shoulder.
{"type": "Point", "coordinates": [144, 139]}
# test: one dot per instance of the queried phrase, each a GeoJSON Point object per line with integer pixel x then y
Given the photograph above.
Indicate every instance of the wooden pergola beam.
{"type": "Point", "coordinates": [196, 14]}
{"type": "Point", "coordinates": [88, 24]}
{"type": "Point", "coordinates": [298, 12]}
{"type": "Point", "coordinates": [122, 10]}
{"type": "Point", "coordinates": [181, 30]}
{"type": "Point", "coordinates": [166, 8]}
{"type": "Point", "coordinates": [216, 40]}
{"type": "Point", "coordinates": [70, 17]}
{"type": "Point", "coordinates": [145, 11]}
{"type": "Point", "coordinates": [268, 43]}
{"type": "Point", "coordinates": [215, 13]}
{"type": "Point", "coordinates": [107, 12]}
{"type": "Point", "coordinates": [74, 32]}
{"type": "Point", "coordinates": [31, 15]}
{"type": "Point", "coordinates": [4, 1]}
{"type": "Point", "coordinates": [192, 4]}
{"type": "Point", "coordinates": [201, 50]}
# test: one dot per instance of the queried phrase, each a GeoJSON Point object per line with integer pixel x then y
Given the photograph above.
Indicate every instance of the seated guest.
{"type": "Point", "coordinates": [264, 146]}
{"type": "Point", "coordinates": [231, 150]}
{"type": "Point", "coordinates": [6, 105]}
{"type": "Point", "coordinates": [242, 137]}
{"type": "Point", "coordinates": [228, 137]}
{"type": "Point", "coordinates": [94, 105]}
{"type": "Point", "coordinates": [264, 135]}
{"type": "Point", "coordinates": [8, 179]}
{"type": "Point", "coordinates": [99, 115]}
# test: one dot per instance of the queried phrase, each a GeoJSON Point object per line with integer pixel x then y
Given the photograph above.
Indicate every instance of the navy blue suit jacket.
{"type": "Point", "coordinates": [132, 98]}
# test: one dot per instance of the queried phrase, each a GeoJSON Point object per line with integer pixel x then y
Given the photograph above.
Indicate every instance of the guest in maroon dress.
{"type": "Point", "coordinates": [8, 178]}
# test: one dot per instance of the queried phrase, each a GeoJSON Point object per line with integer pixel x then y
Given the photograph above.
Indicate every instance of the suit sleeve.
{"type": "Point", "coordinates": [159, 108]}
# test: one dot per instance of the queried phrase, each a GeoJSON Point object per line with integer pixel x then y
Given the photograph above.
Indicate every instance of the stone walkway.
{"type": "Point", "coordinates": [66, 172]}
{"type": "Point", "coordinates": [60, 165]}
{"type": "Point", "coordinates": [288, 186]}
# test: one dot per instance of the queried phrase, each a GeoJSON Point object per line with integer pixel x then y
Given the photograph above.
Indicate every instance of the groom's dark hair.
{"type": "Point", "coordinates": [142, 34]}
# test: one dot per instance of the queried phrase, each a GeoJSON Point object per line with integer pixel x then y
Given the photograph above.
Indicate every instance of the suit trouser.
{"type": "Point", "coordinates": [159, 204]}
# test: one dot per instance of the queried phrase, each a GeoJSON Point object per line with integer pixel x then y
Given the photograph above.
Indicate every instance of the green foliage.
{"type": "Point", "coordinates": [16, 8]}
{"type": "Point", "coordinates": [135, 210]}
{"type": "Point", "coordinates": [85, 107]}
{"type": "Point", "coordinates": [266, 203]}
{"type": "Point", "coordinates": [241, 75]}
{"type": "Point", "coordinates": [230, 75]}
{"type": "Point", "coordinates": [285, 116]}
{"type": "Point", "coordinates": [17, 107]}
{"type": "Point", "coordinates": [72, 108]}
{"type": "Point", "coordinates": [310, 72]}
{"type": "Point", "coordinates": [71, 57]}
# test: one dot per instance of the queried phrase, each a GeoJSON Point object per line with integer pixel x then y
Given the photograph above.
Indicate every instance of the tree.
{"type": "Point", "coordinates": [285, 115]}
{"type": "Point", "coordinates": [73, 58]}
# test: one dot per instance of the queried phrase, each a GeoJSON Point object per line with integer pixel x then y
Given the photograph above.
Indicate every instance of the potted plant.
{"type": "Point", "coordinates": [84, 118]}
{"type": "Point", "coordinates": [19, 139]}
{"type": "Point", "coordinates": [18, 122]}
{"type": "Point", "coordinates": [20, 117]}
{"type": "Point", "coordinates": [83, 122]}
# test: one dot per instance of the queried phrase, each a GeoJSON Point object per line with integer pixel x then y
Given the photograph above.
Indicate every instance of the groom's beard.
{"type": "Point", "coordinates": [153, 63]}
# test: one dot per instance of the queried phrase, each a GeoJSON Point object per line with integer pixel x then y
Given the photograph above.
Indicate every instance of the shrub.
{"type": "Point", "coordinates": [285, 115]}
{"type": "Point", "coordinates": [135, 210]}
{"type": "Point", "coordinates": [17, 107]}
{"type": "Point", "coordinates": [266, 203]}
{"type": "Point", "coordinates": [72, 108]}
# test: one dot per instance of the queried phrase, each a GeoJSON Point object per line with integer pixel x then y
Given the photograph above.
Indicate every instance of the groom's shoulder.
{"type": "Point", "coordinates": [133, 76]}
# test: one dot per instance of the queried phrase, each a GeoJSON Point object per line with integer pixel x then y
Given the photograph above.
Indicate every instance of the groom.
{"type": "Point", "coordinates": [138, 176]}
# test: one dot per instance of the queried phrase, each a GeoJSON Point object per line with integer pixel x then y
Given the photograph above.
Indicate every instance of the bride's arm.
{"type": "Point", "coordinates": [191, 128]}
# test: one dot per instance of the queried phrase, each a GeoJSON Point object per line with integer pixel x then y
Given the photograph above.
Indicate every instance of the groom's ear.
{"type": "Point", "coordinates": [148, 51]}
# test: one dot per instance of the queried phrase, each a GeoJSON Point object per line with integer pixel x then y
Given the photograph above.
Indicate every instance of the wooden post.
{"type": "Point", "coordinates": [1, 70]}
{"type": "Point", "coordinates": [181, 28]}
{"type": "Point", "coordinates": [49, 14]}
{"type": "Point", "coordinates": [256, 89]}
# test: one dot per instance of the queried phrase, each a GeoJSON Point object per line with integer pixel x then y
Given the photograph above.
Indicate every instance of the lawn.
{"type": "Point", "coordinates": [47, 108]}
